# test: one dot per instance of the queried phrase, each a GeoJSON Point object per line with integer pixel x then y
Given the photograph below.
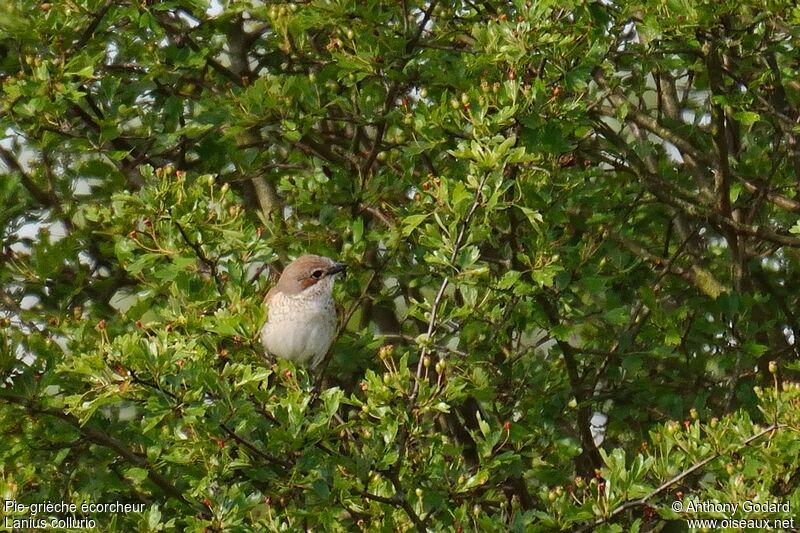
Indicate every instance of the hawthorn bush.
{"type": "Point", "coordinates": [548, 210]}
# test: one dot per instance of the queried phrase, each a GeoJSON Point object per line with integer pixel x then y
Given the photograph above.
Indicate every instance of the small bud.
{"type": "Point", "coordinates": [773, 367]}
{"type": "Point", "coordinates": [385, 352]}
{"type": "Point", "coordinates": [714, 422]}
{"type": "Point", "coordinates": [418, 492]}
{"type": "Point", "coordinates": [101, 326]}
{"type": "Point", "coordinates": [426, 361]}
{"type": "Point", "coordinates": [694, 414]}
{"type": "Point", "coordinates": [573, 403]}
{"type": "Point", "coordinates": [507, 426]}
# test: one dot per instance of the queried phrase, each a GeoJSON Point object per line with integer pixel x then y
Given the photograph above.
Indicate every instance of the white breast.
{"type": "Point", "coordinates": [300, 329]}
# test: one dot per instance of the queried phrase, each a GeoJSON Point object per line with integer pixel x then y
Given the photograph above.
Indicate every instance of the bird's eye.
{"type": "Point", "coordinates": [317, 274]}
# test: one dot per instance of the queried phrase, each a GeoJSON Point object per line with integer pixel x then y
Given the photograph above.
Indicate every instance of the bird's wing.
{"type": "Point", "coordinates": [270, 294]}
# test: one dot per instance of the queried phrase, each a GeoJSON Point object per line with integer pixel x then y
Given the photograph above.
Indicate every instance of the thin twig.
{"type": "Point", "coordinates": [198, 250]}
{"type": "Point", "coordinates": [432, 325]}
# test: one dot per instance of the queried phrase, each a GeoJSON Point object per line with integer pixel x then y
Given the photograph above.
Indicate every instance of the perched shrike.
{"type": "Point", "coordinates": [302, 316]}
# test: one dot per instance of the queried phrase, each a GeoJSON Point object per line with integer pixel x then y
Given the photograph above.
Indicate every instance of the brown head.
{"type": "Point", "coordinates": [307, 274]}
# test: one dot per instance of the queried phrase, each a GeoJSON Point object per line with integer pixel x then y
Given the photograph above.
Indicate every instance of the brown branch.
{"type": "Point", "coordinates": [377, 214]}
{"type": "Point", "coordinates": [581, 395]}
{"type": "Point", "coordinates": [671, 194]}
{"type": "Point", "coordinates": [44, 198]}
{"type": "Point", "coordinates": [90, 29]}
{"type": "Point", "coordinates": [722, 169]}
{"type": "Point", "coordinates": [398, 501]}
{"type": "Point", "coordinates": [250, 446]}
{"type": "Point", "coordinates": [637, 321]}
{"type": "Point", "coordinates": [697, 276]}
{"type": "Point", "coordinates": [198, 250]}
{"type": "Point", "coordinates": [779, 200]}
{"type": "Point", "coordinates": [180, 37]}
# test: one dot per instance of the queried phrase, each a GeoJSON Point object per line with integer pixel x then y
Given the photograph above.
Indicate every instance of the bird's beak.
{"type": "Point", "coordinates": [336, 268]}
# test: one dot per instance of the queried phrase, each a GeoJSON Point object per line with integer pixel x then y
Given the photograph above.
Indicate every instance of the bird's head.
{"type": "Point", "coordinates": [309, 275]}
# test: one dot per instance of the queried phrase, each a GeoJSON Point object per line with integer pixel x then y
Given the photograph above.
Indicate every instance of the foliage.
{"type": "Point", "coordinates": [619, 178]}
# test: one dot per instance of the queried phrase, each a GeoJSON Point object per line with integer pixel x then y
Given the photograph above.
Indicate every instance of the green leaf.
{"type": "Point", "coordinates": [411, 222]}
{"type": "Point", "coordinates": [746, 118]}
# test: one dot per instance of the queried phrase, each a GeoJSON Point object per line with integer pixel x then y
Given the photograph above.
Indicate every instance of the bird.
{"type": "Point", "coordinates": [301, 320]}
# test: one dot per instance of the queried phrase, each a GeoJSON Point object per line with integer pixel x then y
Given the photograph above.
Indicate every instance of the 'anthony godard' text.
{"type": "Point", "coordinates": [731, 508]}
